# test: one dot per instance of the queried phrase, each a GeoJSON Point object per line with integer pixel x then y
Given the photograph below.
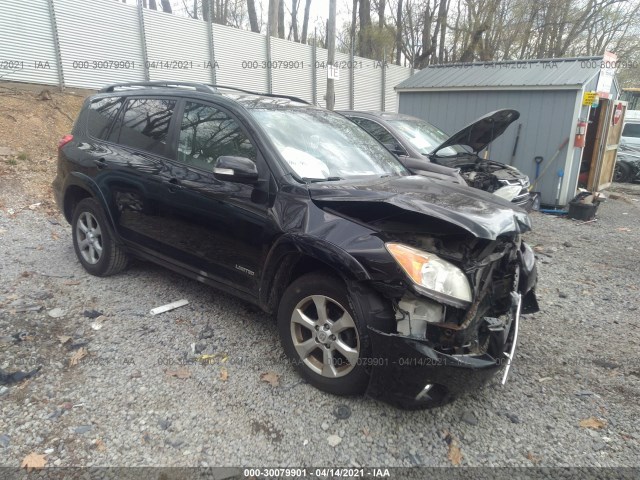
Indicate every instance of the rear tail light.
{"type": "Point", "coordinates": [64, 140]}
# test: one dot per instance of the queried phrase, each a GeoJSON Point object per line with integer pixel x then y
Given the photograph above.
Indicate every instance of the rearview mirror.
{"type": "Point", "coordinates": [396, 149]}
{"type": "Point", "coordinates": [235, 169]}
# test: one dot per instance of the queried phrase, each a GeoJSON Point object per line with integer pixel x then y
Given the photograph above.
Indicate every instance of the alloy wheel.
{"type": "Point", "coordinates": [325, 336]}
{"type": "Point", "coordinates": [89, 237]}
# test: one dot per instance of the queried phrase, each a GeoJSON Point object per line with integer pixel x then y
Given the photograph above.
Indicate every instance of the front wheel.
{"type": "Point", "coordinates": [323, 336]}
{"type": "Point", "coordinates": [92, 241]}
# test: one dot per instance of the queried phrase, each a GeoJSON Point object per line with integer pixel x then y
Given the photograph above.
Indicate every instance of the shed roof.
{"type": "Point", "coordinates": [548, 73]}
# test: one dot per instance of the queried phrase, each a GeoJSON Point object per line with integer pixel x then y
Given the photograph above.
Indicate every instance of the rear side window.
{"type": "Point", "coordinates": [101, 115]}
{"type": "Point", "coordinates": [376, 130]}
{"type": "Point", "coordinates": [631, 130]}
{"type": "Point", "coordinates": [145, 124]}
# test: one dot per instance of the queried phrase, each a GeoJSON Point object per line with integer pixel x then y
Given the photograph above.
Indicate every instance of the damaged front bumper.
{"type": "Point", "coordinates": [410, 373]}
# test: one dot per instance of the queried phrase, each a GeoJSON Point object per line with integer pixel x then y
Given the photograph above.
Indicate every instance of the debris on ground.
{"type": "Point", "coordinates": [271, 378]}
{"type": "Point", "coordinates": [334, 440]}
{"type": "Point", "coordinates": [17, 376]}
{"type": "Point", "coordinates": [169, 306]}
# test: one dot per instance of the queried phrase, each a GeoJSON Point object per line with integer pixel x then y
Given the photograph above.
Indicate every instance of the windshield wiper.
{"type": "Point", "coordinates": [327, 179]}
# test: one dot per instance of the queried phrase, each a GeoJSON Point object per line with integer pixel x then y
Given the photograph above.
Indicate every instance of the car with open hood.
{"type": "Point", "coordinates": [407, 288]}
{"type": "Point", "coordinates": [418, 145]}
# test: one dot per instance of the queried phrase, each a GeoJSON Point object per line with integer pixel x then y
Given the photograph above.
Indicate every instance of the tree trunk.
{"type": "Point", "coordinates": [294, 19]}
{"type": "Point", "coordinates": [195, 9]}
{"type": "Point", "coordinates": [153, 5]}
{"type": "Point", "coordinates": [206, 10]}
{"type": "Point", "coordinates": [253, 17]}
{"type": "Point", "coordinates": [399, 33]}
{"type": "Point", "coordinates": [381, 8]}
{"type": "Point", "coordinates": [305, 22]}
{"type": "Point", "coordinates": [166, 6]}
{"type": "Point", "coordinates": [354, 23]}
{"type": "Point", "coordinates": [281, 18]}
{"type": "Point", "coordinates": [442, 22]}
{"type": "Point", "coordinates": [273, 17]}
{"type": "Point", "coordinates": [364, 35]}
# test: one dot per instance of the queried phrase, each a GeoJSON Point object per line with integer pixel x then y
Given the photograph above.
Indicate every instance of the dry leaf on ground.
{"type": "Point", "coordinates": [179, 373]}
{"type": "Point", "coordinates": [63, 339]}
{"type": "Point", "coordinates": [454, 454]}
{"type": "Point", "coordinates": [533, 458]}
{"type": "Point", "coordinates": [100, 445]}
{"type": "Point", "coordinates": [34, 461]}
{"type": "Point", "coordinates": [593, 422]}
{"type": "Point", "coordinates": [271, 378]}
{"type": "Point", "coordinates": [623, 229]}
{"type": "Point", "coordinates": [78, 355]}
{"type": "Point", "coordinates": [224, 375]}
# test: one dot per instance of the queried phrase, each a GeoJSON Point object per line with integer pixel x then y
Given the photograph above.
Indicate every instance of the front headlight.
{"type": "Point", "coordinates": [431, 272]}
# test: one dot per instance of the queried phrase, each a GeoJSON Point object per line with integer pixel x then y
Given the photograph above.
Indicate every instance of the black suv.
{"type": "Point", "coordinates": [404, 287]}
{"type": "Point", "coordinates": [421, 147]}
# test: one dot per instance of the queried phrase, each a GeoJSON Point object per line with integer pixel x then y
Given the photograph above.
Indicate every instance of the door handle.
{"type": "Point", "coordinates": [101, 163]}
{"type": "Point", "coordinates": [174, 185]}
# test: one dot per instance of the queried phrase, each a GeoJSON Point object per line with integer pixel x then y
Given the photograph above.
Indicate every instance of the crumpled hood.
{"type": "Point", "coordinates": [480, 133]}
{"type": "Point", "coordinates": [482, 214]}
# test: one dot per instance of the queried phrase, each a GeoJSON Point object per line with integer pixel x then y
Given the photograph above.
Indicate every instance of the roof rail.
{"type": "Point", "coordinates": [275, 95]}
{"type": "Point", "coordinates": [199, 87]}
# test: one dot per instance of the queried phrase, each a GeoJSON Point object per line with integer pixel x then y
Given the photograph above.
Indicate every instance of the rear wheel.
{"type": "Point", "coordinates": [92, 241]}
{"type": "Point", "coordinates": [323, 336]}
{"type": "Point", "coordinates": [622, 173]}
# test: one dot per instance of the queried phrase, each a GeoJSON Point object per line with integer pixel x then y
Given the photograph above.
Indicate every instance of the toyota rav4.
{"type": "Point", "coordinates": [404, 287]}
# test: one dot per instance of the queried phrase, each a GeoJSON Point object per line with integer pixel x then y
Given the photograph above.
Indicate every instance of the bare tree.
{"type": "Point", "coordinates": [253, 17]}
{"type": "Point", "coordinates": [273, 17]}
{"type": "Point", "coordinates": [305, 22]}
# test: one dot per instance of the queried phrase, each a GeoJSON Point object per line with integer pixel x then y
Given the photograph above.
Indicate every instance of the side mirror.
{"type": "Point", "coordinates": [235, 169]}
{"type": "Point", "coordinates": [396, 149]}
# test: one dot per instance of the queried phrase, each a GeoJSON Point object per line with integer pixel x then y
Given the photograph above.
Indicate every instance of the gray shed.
{"type": "Point", "coordinates": [549, 95]}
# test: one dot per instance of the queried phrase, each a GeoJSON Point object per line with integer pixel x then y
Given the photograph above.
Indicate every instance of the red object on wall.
{"type": "Point", "coordinates": [581, 134]}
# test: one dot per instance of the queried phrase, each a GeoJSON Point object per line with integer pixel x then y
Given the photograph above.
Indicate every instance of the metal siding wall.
{"type": "Point", "coordinates": [232, 47]}
{"type": "Point", "coordinates": [294, 76]}
{"type": "Point", "coordinates": [367, 84]}
{"type": "Point", "coordinates": [26, 36]}
{"type": "Point", "coordinates": [110, 40]}
{"type": "Point", "coordinates": [546, 117]}
{"type": "Point", "coordinates": [177, 48]}
{"type": "Point", "coordinates": [395, 75]}
{"type": "Point", "coordinates": [109, 31]}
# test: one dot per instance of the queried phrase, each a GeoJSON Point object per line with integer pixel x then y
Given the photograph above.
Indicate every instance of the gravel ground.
{"type": "Point", "coordinates": [129, 402]}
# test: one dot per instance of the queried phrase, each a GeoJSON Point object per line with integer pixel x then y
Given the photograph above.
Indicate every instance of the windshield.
{"type": "Point", "coordinates": [322, 145]}
{"type": "Point", "coordinates": [424, 137]}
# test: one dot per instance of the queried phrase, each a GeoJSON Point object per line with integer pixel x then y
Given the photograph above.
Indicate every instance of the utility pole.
{"type": "Point", "coordinates": [331, 54]}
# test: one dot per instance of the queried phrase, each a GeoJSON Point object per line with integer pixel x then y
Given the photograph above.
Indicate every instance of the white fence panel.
{"type": "Point", "coordinates": [100, 42]}
{"type": "Point", "coordinates": [27, 52]}
{"type": "Point", "coordinates": [292, 72]}
{"type": "Point", "coordinates": [395, 75]}
{"type": "Point", "coordinates": [368, 84]}
{"type": "Point", "coordinates": [241, 56]}
{"type": "Point", "coordinates": [177, 48]}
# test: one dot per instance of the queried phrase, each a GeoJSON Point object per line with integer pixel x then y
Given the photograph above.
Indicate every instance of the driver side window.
{"type": "Point", "coordinates": [207, 133]}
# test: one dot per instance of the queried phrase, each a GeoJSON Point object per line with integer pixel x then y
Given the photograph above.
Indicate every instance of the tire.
{"type": "Point", "coordinates": [93, 241]}
{"type": "Point", "coordinates": [622, 173]}
{"type": "Point", "coordinates": [331, 358]}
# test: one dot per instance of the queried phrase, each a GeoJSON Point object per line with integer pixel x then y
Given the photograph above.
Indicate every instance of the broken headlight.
{"type": "Point", "coordinates": [431, 272]}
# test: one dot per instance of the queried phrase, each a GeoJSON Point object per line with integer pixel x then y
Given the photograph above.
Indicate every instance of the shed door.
{"type": "Point", "coordinates": [607, 140]}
